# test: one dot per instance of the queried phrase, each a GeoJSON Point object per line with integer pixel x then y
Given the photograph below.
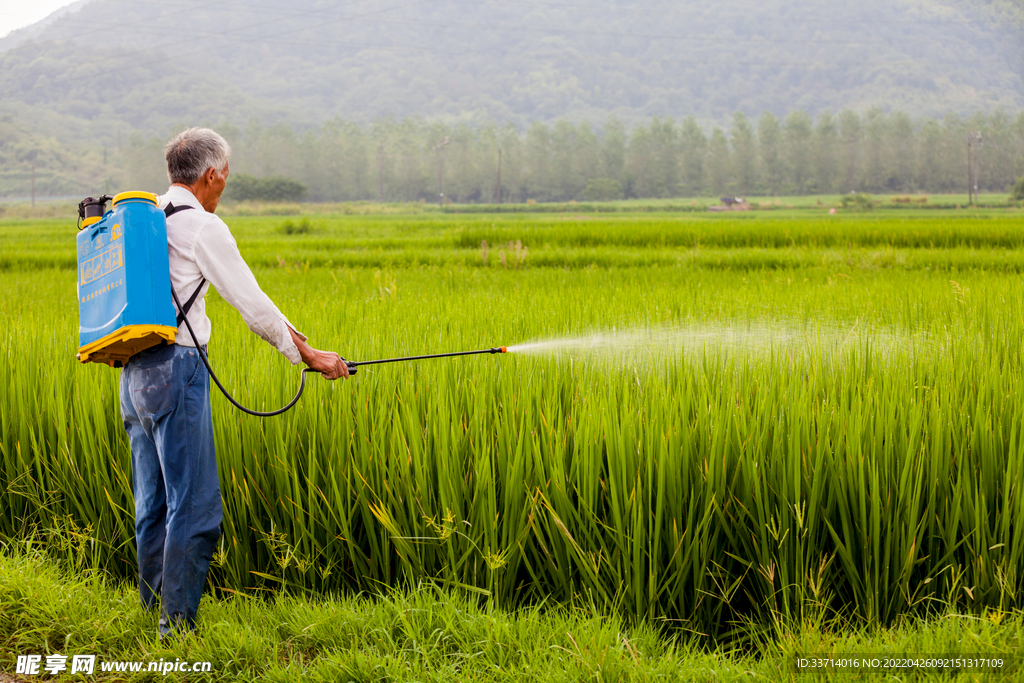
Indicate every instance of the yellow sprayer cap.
{"type": "Point", "coordinates": [149, 196]}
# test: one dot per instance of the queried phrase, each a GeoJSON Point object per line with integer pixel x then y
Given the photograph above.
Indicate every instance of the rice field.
{"type": "Point", "coordinates": [706, 423]}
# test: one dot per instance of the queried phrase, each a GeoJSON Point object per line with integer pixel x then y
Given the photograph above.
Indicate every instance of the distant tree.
{"type": "Point", "coordinates": [587, 158]}
{"type": "Point", "coordinates": [1017, 191]}
{"type": "Point", "coordinates": [876, 174]}
{"type": "Point", "coordinates": [242, 187]}
{"type": "Point", "coordinates": [796, 138]}
{"type": "Point", "coordinates": [639, 172]}
{"type": "Point", "coordinates": [486, 149]}
{"type": "Point", "coordinates": [850, 132]}
{"type": "Point", "coordinates": [463, 165]}
{"type": "Point", "coordinates": [929, 151]}
{"type": "Point", "coordinates": [902, 146]}
{"type": "Point", "coordinates": [567, 178]}
{"type": "Point", "coordinates": [335, 161]}
{"type": "Point", "coordinates": [744, 154]}
{"type": "Point", "coordinates": [652, 159]}
{"type": "Point", "coordinates": [412, 177]}
{"type": "Point", "coordinates": [997, 154]}
{"type": "Point", "coordinates": [144, 165]}
{"type": "Point", "coordinates": [718, 164]}
{"type": "Point", "coordinates": [769, 134]}
{"type": "Point", "coordinates": [537, 162]}
{"type": "Point", "coordinates": [399, 160]}
{"type": "Point", "coordinates": [1018, 138]}
{"type": "Point", "coordinates": [827, 152]}
{"type": "Point", "coordinates": [601, 189]}
{"type": "Point", "coordinates": [513, 173]}
{"type": "Point", "coordinates": [613, 149]}
{"type": "Point", "coordinates": [666, 157]}
{"type": "Point", "coordinates": [382, 157]}
{"type": "Point", "coordinates": [953, 153]}
{"type": "Point", "coordinates": [693, 148]}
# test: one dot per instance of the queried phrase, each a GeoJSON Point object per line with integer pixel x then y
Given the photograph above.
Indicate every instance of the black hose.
{"type": "Point", "coordinates": [206, 362]}
{"type": "Point", "coordinates": [352, 365]}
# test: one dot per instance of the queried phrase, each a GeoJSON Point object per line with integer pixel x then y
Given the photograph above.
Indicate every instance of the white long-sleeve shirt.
{"type": "Point", "coordinates": [199, 245]}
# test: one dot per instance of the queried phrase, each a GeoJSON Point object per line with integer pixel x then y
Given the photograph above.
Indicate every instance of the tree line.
{"type": "Point", "coordinates": [396, 160]}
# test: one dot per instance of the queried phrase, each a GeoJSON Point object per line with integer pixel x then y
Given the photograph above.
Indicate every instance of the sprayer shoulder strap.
{"type": "Point", "coordinates": [168, 212]}
{"type": "Point", "coordinates": [188, 304]}
{"type": "Point", "coordinates": [172, 209]}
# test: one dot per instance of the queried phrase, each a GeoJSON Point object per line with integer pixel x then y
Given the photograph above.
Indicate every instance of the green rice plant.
{"type": "Point", "coordinates": [817, 439]}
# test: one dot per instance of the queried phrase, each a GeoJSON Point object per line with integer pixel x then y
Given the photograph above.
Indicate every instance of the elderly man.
{"type": "Point", "coordinates": [165, 391]}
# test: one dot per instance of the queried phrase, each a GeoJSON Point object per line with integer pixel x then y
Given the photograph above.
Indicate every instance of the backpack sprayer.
{"type": "Point", "coordinates": [125, 293]}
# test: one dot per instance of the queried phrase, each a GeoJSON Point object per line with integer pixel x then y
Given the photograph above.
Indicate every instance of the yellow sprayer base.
{"type": "Point", "coordinates": [117, 347]}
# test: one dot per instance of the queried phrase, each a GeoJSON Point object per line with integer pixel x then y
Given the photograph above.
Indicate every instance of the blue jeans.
{"type": "Point", "coordinates": [165, 403]}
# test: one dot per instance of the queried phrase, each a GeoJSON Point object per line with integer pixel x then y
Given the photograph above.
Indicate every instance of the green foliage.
{"type": "Point", "coordinates": [303, 227]}
{"type": "Point", "coordinates": [427, 634]}
{"type": "Point", "coordinates": [558, 62]}
{"type": "Point", "coordinates": [601, 189]}
{"type": "Point", "coordinates": [1017, 191]}
{"type": "Point", "coordinates": [830, 428]}
{"type": "Point", "coordinates": [858, 202]}
{"type": "Point", "coordinates": [242, 187]}
{"type": "Point", "coordinates": [888, 69]}
{"type": "Point", "coordinates": [602, 234]}
{"type": "Point", "coordinates": [399, 161]}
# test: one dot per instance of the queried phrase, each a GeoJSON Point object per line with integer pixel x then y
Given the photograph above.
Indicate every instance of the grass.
{"type": "Point", "coordinates": [834, 429]}
{"type": "Point", "coordinates": [425, 634]}
{"type": "Point", "coordinates": [63, 209]}
{"type": "Point", "coordinates": [983, 239]}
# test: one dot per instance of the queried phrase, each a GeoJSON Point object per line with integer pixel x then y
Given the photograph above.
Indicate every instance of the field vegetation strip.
{"type": "Point", "coordinates": [697, 448]}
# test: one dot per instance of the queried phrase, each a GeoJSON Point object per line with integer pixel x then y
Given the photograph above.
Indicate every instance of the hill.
{"type": "Point", "coordinates": [106, 68]}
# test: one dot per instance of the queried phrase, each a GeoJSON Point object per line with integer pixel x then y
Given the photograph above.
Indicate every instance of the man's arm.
{"type": "Point", "coordinates": [329, 364]}
{"type": "Point", "coordinates": [219, 260]}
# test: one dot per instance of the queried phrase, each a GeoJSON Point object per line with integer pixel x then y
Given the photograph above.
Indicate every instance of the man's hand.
{"type": "Point", "coordinates": [327, 363]}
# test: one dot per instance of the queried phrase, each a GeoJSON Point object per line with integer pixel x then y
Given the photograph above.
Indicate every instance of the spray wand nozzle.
{"type": "Point", "coordinates": [352, 365]}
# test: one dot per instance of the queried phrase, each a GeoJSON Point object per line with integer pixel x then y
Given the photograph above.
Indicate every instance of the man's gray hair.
{"type": "Point", "coordinates": [192, 151]}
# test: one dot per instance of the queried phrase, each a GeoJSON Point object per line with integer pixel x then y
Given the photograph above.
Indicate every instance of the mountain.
{"type": "Point", "coordinates": [104, 69]}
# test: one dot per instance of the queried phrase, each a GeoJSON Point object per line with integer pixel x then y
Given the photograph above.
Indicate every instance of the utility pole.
{"type": "Point", "coordinates": [499, 175]}
{"type": "Point", "coordinates": [977, 147]}
{"type": "Point", "coordinates": [441, 146]}
{"type": "Point", "coordinates": [853, 164]}
{"type": "Point", "coordinates": [970, 171]}
{"type": "Point", "coordinates": [973, 143]}
{"type": "Point", "coordinates": [380, 177]}
{"type": "Point", "coordinates": [33, 184]}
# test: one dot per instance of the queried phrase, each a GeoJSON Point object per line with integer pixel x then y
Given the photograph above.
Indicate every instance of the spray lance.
{"type": "Point", "coordinates": [352, 369]}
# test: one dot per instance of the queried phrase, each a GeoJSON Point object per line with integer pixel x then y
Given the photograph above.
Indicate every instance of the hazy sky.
{"type": "Point", "coordinates": [15, 14]}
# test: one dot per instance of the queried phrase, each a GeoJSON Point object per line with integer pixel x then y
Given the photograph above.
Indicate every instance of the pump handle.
{"type": "Point", "coordinates": [92, 208]}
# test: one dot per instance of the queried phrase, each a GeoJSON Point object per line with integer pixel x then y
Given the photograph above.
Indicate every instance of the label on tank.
{"type": "Point", "coordinates": [104, 263]}
{"type": "Point", "coordinates": [101, 277]}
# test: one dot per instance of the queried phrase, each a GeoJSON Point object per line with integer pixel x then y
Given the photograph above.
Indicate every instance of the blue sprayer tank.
{"type": "Point", "coordinates": [124, 282]}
